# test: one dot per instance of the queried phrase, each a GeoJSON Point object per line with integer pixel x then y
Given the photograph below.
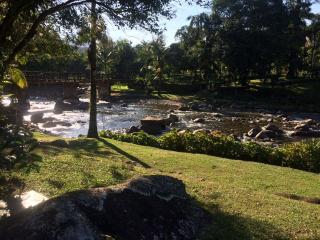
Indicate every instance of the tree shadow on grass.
{"type": "Point", "coordinates": [80, 146]}
{"type": "Point", "coordinates": [127, 155]}
{"type": "Point", "coordinates": [11, 185]}
{"type": "Point", "coordinates": [226, 226]}
{"type": "Point", "coordinates": [92, 146]}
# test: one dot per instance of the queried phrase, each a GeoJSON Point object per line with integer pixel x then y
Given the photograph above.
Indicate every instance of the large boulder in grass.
{"type": "Point", "coordinates": [149, 207]}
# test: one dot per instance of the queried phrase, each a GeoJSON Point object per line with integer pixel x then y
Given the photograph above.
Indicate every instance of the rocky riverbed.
{"type": "Point", "coordinates": [254, 124]}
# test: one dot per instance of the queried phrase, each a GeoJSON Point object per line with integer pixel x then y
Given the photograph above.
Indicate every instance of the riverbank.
{"type": "Point", "coordinates": [242, 197]}
{"type": "Point", "coordinates": [121, 113]}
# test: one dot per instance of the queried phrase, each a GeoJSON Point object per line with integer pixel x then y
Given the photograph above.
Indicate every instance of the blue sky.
{"type": "Point", "coordinates": [182, 13]}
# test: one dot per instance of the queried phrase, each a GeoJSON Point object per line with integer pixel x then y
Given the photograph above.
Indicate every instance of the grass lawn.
{"type": "Point", "coordinates": [241, 196]}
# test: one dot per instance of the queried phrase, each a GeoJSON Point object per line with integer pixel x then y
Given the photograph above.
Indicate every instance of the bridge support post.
{"type": "Point", "coordinates": [104, 89]}
{"type": "Point", "coordinates": [70, 91]}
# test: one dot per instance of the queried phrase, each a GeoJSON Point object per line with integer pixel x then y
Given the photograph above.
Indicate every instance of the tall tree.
{"type": "Point", "coordinates": [20, 19]}
{"type": "Point", "coordinates": [92, 55]}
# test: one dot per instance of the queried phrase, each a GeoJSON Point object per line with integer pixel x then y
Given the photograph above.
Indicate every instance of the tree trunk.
{"type": "Point", "coordinates": [92, 55]}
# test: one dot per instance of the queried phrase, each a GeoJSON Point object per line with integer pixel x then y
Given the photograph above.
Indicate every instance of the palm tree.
{"type": "Point", "coordinates": [92, 56]}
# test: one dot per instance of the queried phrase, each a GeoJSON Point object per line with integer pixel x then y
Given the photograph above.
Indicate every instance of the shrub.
{"type": "Point", "coordinates": [172, 141]}
{"type": "Point", "coordinates": [257, 152]}
{"type": "Point", "coordinates": [304, 155]}
{"type": "Point", "coordinates": [225, 146]}
{"type": "Point", "coordinates": [15, 146]}
{"type": "Point", "coordinates": [140, 138]}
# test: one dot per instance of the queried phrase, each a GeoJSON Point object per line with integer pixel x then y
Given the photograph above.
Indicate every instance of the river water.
{"type": "Point", "coordinates": [110, 116]}
{"type": "Point", "coordinates": [117, 117]}
{"type": "Point", "coordinates": [120, 115]}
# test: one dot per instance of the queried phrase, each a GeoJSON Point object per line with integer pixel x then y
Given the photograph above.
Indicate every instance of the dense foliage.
{"type": "Point", "coordinates": [304, 155]}
{"type": "Point", "coordinates": [20, 20]}
{"type": "Point", "coordinates": [16, 144]}
{"type": "Point", "coordinates": [235, 42]}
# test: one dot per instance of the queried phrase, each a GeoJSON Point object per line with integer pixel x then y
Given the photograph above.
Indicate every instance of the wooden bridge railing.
{"type": "Point", "coordinates": [35, 77]}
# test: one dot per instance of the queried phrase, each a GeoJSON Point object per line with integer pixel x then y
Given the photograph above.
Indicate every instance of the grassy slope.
{"type": "Point", "coordinates": [240, 195]}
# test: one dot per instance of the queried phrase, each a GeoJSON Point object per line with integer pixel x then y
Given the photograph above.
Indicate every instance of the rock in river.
{"type": "Point", "coordinates": [266, 134]}
{"type": "Point", "coordinates": [37, 117]}
{"type": "Point", "coordinates": [273, 128]}
{"type": "Point", "coordinates": [153, 124]}
{"type": "Point", "coordinates": [305, 132]}
{"type": "Point", "coordinates": [199, 120]}
{"type": "Point", "coordinates": [62, 106]}
{"type": "Point", "coordinates": [194, 106]}
{"type": "Point", "coordinates": [49, 124]}
{"type": "Point", "coordinates": [133, 129]}
{"type": "Point", "coordinates": [254, 131]}
{"type": "Point", "coordinates": [149, 207]}
{"type": "Point", "coordinates": [172, 118]}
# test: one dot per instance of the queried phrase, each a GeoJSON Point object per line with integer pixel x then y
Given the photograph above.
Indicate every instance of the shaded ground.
{"type": "Point", "coordinates": [241, 196]}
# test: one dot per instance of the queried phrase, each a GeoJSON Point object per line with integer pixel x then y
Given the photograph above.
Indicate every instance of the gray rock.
{"type": "Point", "coordinates": [194, 106]}
{"type": "Point", "coordinates": [183, 108]}
{"type": "Point", "coordinates": [199, 120]}
{"type": "Point", "coordinates": [143, 208]}
{"type": "Point", "coordinates": [308, 133]}
{"type": "Point", "coordinates": [270, 120]}
{"type": "Point", "coordinates": [49, 125]}
{"type": "Point", "coordinates": [217, 115]}
{"type": "Point", "coordinates": [302, 126]}
{"type": "Point", "coordinates": [61, 106]}
{"type": "Point", "coordinates": [82, 106]}
{"type": "Point", "coordinates": [37, 117]}
{"type": "Point", "coordinates": [173, 118]}
{"type": "Point", "coordinates": [309, 122]}
{"type": "Point", "coordinates": [133, 129]}
{"type": "Point", "coordinates": [274, 128]}
{"type": "Point", "coordinates": [205, 131]}
{"type": "Point", "coordinates": [182, 132]}
{"type": "Point", "coordinates": [254, 132]}
{"type": "Point", "coordinates": [266, 134]}
{"type": "Point", "coordinates": [153, 125]}
{"type": "Point", "coordinates": [64, 124]}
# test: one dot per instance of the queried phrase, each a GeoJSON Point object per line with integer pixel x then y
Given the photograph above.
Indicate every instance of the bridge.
{"type": "Point", "coordinates": [65, 84]}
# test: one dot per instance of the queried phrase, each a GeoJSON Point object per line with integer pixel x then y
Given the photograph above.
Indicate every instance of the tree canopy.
{"type": "Point", "coordinates": [20, 20]}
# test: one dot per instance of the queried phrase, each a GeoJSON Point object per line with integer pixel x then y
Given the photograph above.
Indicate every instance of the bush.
{"type": "Point", "coordinates": [15, 146]}
{"type": "Point", "coordinates": [140, 138]}
{"type": "Point", "coordinates": [257, 152]}
{"type": "Point", "coordinates": [304, 155]}
{"type": "Point", "coordinates": [172, 141]}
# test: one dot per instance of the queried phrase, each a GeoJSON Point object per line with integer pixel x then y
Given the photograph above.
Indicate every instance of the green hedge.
{"type": "Point", "coordinates": [304, 155]}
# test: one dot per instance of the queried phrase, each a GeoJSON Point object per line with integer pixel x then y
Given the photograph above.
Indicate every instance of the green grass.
{"type": "Point", "coordinates": [240, 195]}
{"type": "Point", "coordinates": [120, 87]}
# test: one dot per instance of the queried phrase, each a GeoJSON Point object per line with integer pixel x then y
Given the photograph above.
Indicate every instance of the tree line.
{"type": "Point", "coordinates": [237, 40]}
